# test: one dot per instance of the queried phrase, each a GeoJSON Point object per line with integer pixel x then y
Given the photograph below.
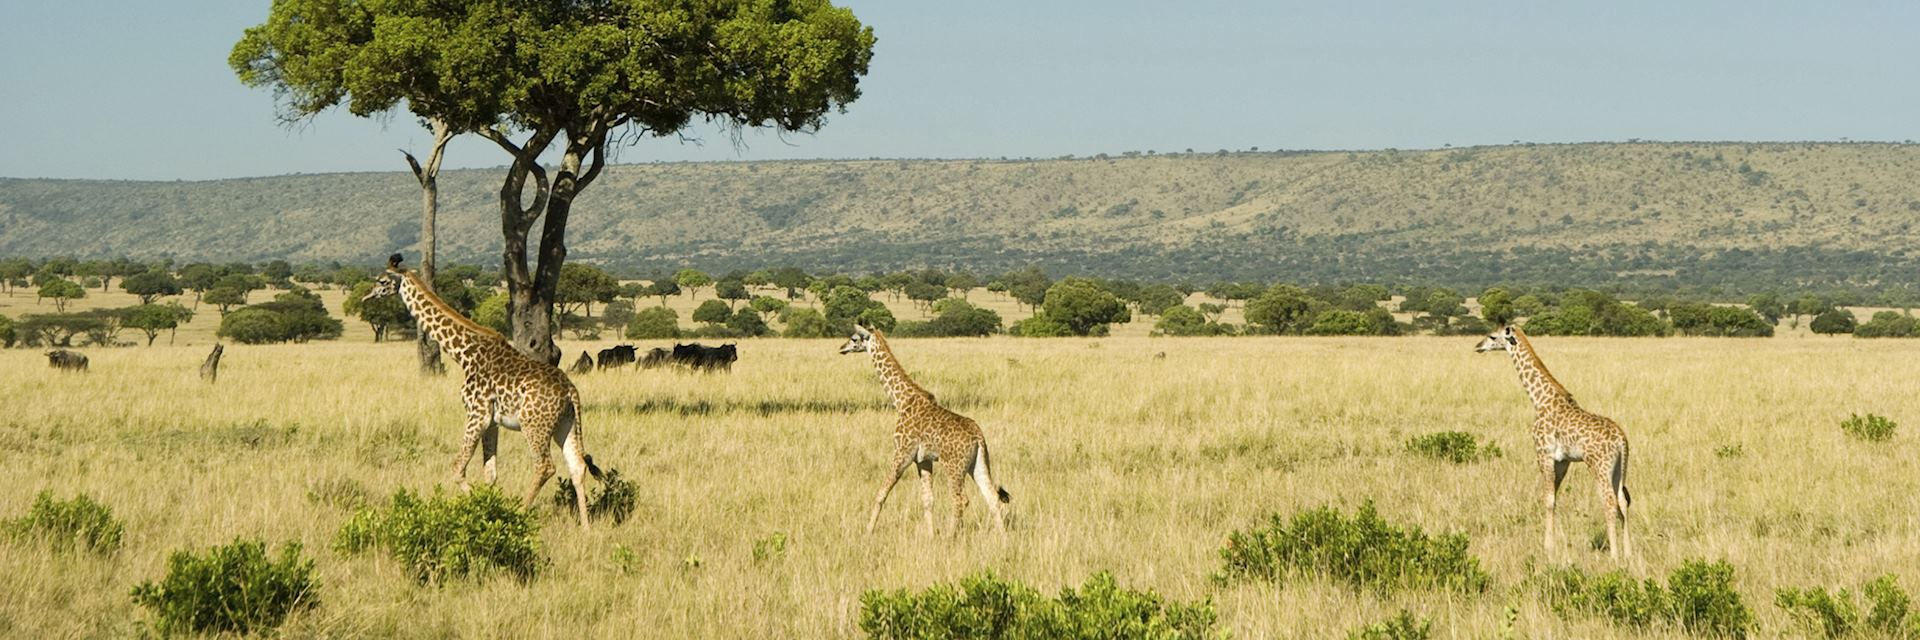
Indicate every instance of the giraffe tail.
{"type": "Point", "coordinates": [594, 469]}
{"type": "Point", "coordinates": [986, 466]}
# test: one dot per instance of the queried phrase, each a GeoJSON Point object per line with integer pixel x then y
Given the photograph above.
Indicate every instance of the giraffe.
{"type": "Point", "coordinates": [1563, 432]}
{"type": "Point", "coordinates": [504, 388]}
{"type": "Point", "coordinates": [926, 434]}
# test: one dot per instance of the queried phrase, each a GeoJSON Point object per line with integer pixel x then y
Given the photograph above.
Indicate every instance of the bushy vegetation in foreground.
{"type": "Point", "coordinates": [984, 606]}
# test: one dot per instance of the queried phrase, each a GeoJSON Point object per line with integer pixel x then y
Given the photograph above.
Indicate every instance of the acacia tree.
{"type": "Point", "coordinates": [579, 76]}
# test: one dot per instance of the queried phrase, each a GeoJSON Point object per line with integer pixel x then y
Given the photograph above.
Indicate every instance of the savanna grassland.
{"type": "Point", "coordinates": [1116, 460]}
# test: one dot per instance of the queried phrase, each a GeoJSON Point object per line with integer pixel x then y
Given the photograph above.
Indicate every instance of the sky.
{"type": "Point", "coordinates": [141, 90]}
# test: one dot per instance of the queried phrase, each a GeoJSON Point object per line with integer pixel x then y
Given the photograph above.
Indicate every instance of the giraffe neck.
{"type": "Point", "coordinates": [457, 336]}
{"type": "Point", "coordinates": [1541, 386]}
{"type": "Point", "coordinates": [900, 388]}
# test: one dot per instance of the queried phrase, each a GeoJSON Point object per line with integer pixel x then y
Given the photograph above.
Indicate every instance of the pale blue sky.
{"type": "Point", "coordinates": [141, 90]}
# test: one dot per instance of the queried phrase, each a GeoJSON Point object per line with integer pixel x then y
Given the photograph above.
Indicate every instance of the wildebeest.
{"type": "Point", "coordinates": [583, 365]}
{"type": "Point", "coordinates": [618, 356]}
{"type": "Point", "coordinates": [705, 358]}
{"type": "Point", "coordinates": [210, 370]}
{"type": "Point", "coordinates": [655, 357]}
{"type": "Point", "coordinates": [68, 360]}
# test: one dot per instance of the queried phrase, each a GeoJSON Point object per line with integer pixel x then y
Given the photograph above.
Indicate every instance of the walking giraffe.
{"type": "Point", "coordinates": [1563, 432]}
{"type": "Point", "coordinates": [928, 433]}
{"type": "Point", "coordinates": [504, 388]}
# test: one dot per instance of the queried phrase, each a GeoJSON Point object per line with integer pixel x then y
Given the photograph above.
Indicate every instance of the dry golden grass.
{"type": "Point", "coordinates": [1116, 461]}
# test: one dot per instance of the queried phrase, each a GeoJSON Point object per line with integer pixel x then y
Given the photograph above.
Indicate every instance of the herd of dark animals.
{"type": "Point", "coordinates": [694, 356]}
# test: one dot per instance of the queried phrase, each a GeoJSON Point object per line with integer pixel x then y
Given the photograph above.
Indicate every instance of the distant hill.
{"type": "Point", "coordinates": [1668, 215]}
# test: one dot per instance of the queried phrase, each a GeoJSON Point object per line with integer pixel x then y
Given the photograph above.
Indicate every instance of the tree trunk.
{"type": "Point", "coordinates": [429, 177]}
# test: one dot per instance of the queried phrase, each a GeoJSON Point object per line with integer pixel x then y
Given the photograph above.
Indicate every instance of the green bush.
{"type": "Point", "coordinates": [1870, 427]}
{"type": "Point", "coordinates": [983, 606]}
{"type": "Point", "coordinates": [448, 537]}
{"type": "Point", "coordinates": [1404, 626]}
{"type": "Point", "coordinates": [1833, 321]}
{"type": "Point", "coordinates": [1705, 602]}
{"type": "Point", "coordinates": [1699, 596]}
{"type": "Point", "coordinates": [1458, 447]}
{"type": "Point", "coordinates": [1889, 324]}
{"type": "Point", "coordinates": [1837, 615]}
{"type": "Point", "coordinates": [231, 589]}
{"type": "Point", "coordinates": [613, 499]}
{"type": "Point", "coordinates": [64, 523]}
{"type": "Point", "coordinates": [1182, 320]}
{"type": "Point", "coordinates": [806, 323]}
{"type": "Point", "coordinates": [1364, 551]}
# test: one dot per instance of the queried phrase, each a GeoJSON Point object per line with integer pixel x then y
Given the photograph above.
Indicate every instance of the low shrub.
{"type": "Point", "coordinates": [613, 499]}
{"type": "Point", "coordinates": [983, 606]}
{"type": "Point", "coordinates": [231, 589]}
{"type": "Point", "coordinates": [340, 493]}
{"type": "Point", "coordinates": [1699, 597]}
{"type": "Point", "coordinates": [772, 547]}
{"type": "Point", "coordinates": [1870, 427]}
{"type": "Point", "coordinates": [64, 523]}
{"type": "Point", "coordinates": [1837, 615]}
{"type": "Point", "coordinates": [1458, 447]}
{"type": "Point", "coordinates": [1404, 626]}
{"type": "Point", "coordinates": [1364, 551]}
{"type": "Point", "coordinates": [445, 537]}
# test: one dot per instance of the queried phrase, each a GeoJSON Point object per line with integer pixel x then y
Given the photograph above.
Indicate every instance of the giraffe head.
{"type": "Point", "coordinates": [861, 341]}
{"type": "Point", "coordinates": [388, 282]}
{"type": "Point", "coordinates": [1501, 340]}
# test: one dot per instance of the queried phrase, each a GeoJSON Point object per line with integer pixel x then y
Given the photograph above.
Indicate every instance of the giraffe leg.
{"type": "Point", "coordinates": [1603, 477]}
{"type": "Point", "coordinates": [893, 477]}
{"type": "Point", "coordinates": [477, 422]}
{"type": "Point", "coordinates": [956, 471]}
{"type": "Point", "coordinates": [1551, 473]}
{"type": "Point", "coordinates": [573, 452]}
{"type": "Point", "coordinates": [926, 495]}
{"type": "Point", "coordinates": [542, 460]}
{"type": "Point", "coordinates": [989, 492]}
{"type": "Point", "coordinates": [490, 450]}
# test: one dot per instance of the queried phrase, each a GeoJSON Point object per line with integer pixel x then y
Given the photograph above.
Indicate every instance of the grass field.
{"type": "Point", "coordinates": [1117, 461]}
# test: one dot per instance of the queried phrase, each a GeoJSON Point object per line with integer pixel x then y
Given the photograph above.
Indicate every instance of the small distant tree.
{"type": "Point", "coordinates": [582, 285]}
{"type": "Point", "coordinates": [806, 323]}
{"type": "Point", "coordinates": [712, 312]}
{"type": "Point", "coordinates": [962, 283]}
{"type": "Point", "coordinates": [732, 290]}
{"type": "Point", "coordinates": [748, 323]}
{"type": "Point", "coordinates": [12, 270]}
{"type": "Point", "coordinates": [62, 291]}
{"type": "Point", "coordinates": [278, 273]}
{"type": "Point", "coordinates": [492, 312]}
{"type": "Point", "coordinates": [924, 294]}
{"type": "Point", "coordinates": [151, 319]}
{"type": "Point", "coordinates": [150, 285]}
{"type": "Point", "coordinates": [1281, 308]}
{"type": "Point", "coordinates": [294, 316]}
{"type": "Point", "coordinates": [7, 335]}
{"type": "Point", "coordinates": [692, 280]}
{"type": "Point", "coordinates": [1496, 306]}
{"type": "Point", "coordinates": [654, 323]}
{"type": "Point", "coordinates": [1083, 307]}
{"type": "Point", "coordinates": [618, 313]}
{"type": "Point", "coordinates": [1833, 321]}
{"type": "Point", "coordinates": [224, 298]}
{"type": "Point", "coordinates": [663, 288]}
{"type": "Point", "coordinates": [1768, 305]}
{"type": "Point", "coordinates": [1155, 299]}
{"type": "Point", "coordinates": [1182, 320]}
{"type": "Point", "coordinates": [792, 279]}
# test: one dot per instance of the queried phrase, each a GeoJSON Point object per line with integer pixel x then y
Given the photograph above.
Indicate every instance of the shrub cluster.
{"type": "Point", "coordinates": [983, 606]}
{"type": "Point", "coordinates": [1364, 551]}
{"type": "Point", "coordinates": [295, 316]}
{"type": "Point", "coordinates": [1870, 427]}
{"type": "Point", "coordinates": [1404, 626]}
{"type": "Point", "coordinates": [1836, 615]}
{"type": "Point", "coordinates": [231, 589]}
{"type": "Point", "coordinates": [614, 498]}
{"type": "Point", "coordinates": [1699, 596]}
{"type": "Point", "coordinates": [64, 523]}
{"type": "Point", "coordinates": [1458, 447]}
{"type": "Point", "coordinates": [445, 537]}
{"type": "Point", "coordinates": [1889, 324]}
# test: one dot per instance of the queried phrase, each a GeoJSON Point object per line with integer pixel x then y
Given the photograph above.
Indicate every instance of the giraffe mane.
{"type": "Point", "coordinates": [447, 310]}
{"type": "Point", "coordinates": [880, 341]}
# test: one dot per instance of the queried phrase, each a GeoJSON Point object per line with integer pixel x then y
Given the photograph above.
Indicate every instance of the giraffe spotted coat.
{"type": "Point", "coordinates": [926, 435]}
{"type": "Point", "coordinates": [1563, 433]}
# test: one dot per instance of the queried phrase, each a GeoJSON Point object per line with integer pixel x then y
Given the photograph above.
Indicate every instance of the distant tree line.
{"type": "Point", "coordinates": [592, 302]}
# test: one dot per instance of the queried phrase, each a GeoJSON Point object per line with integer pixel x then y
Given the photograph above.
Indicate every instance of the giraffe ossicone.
{"type": "Point", "coordinates": [928, 434]}
{"type": "Point", "coordinates": [503, 388]}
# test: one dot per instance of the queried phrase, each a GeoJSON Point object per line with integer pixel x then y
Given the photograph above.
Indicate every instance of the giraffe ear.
{"type": "Point", "coordinates": [861, 331]}
{"type": "Point", "coordinates": [393, 262]}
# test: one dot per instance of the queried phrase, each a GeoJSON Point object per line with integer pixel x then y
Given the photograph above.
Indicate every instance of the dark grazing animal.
{"type": "Point", "coordinates": [704, 358]}
{"type": "Point", "coordinates": [656, 357]}
{"type": "Point", "coordinates": [583, 365]}
{"type": "Point", "coordinates": [68, 360]}
{"type": "Point", "coordinates": [618, 356]}
{"type": "Point", "coordinates": [210, 370]}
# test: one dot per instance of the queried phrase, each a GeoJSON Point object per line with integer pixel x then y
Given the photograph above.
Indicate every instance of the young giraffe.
{"type": "Point", "coordinates": [1563, 432]}
{"type": "Point", "coordinates": [929, 433]}
{"type": "Point", "coordinates": [504, 388]}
